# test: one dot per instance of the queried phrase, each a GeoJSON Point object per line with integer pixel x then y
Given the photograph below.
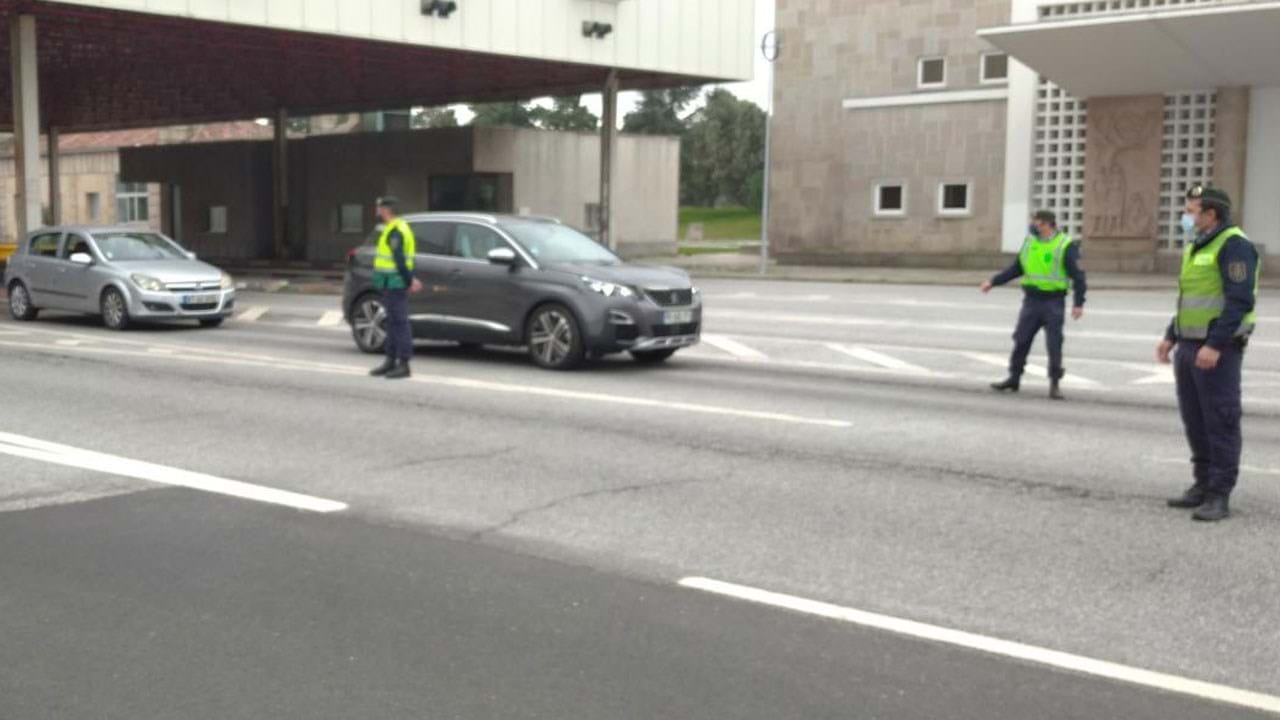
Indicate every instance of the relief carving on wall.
{"type": "Point", "coordinates": [1123, 169]}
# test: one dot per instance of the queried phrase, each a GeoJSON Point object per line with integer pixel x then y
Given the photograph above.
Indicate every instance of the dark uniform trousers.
{"type": "Point", "coordinates": [399, 343]}
{"type": "Point", "coordinates": [1039, 311]}
{"type": "Point", "coordinates": [1210, 404]}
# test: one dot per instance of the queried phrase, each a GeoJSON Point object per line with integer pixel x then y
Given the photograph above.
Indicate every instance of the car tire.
{"type": "Point", "coordinates": [368, 323]}
{"type": "Point", "coordinates": [211, 322]}
{"type": "Point", "coordinates": [115, 309]}
{"type": "Point", "coordinates": [554, 338]}
{"type": "Point", "coordinates": [20, 306]}
{"type": "Point", "coordinates": [652, 357]}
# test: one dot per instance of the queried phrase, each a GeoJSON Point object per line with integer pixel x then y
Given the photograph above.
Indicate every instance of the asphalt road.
{"type": "Point", "coordinates": [831, 442]}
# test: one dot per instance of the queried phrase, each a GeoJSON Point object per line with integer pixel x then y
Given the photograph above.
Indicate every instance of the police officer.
{"type": "Point", "coordinates": [1049, 264]}
{"type": "Point", "coordinates": [1217, 290]}
{"type": "Point", "coordinates": [393, 275]}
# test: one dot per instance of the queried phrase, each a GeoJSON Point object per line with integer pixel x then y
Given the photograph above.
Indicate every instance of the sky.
{"type": "Point", "coordinates": [756, 90]}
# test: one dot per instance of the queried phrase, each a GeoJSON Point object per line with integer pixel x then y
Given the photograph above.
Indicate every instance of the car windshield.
{"type": "Point", "coordinates": [127, 246]}
{"type": "Point", "coordinates": [556, 244]}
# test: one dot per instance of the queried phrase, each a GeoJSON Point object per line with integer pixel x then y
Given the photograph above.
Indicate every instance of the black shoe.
{"type": "Point", "coordinates": [384, 368]}
{"type": "Point", "coordinates": [1055, 392]}
{"type": "Point", "coordinates": [1011, 384]}
{"type": "Point", "coordinates": [399, 372]}
{"type": "Point", "coordinates": [1215, 508]}
{"type": "Point", "coordinates": [1194, 497]}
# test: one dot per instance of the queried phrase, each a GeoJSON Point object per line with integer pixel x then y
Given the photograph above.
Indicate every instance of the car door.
{"type": "Point", "coordinates": [431, 266]}
{"type": "Point", "coordinates": [40, 266]}
{"type": "Point", "coordinates": [76, 281]}
{"type": "Point", "coordinates": [483, 305]}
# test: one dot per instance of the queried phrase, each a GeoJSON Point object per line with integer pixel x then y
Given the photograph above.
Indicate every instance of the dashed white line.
{"type": "Point", "coordinates": [993, 646]}
{"type": "Point", "coordinates": [253, 314]}
{"type": "Point", "coordinates": [878, 358]}
{"type": "Point", "coordinates": [66, 455]}
{"type": "Point", "coordinates": [733, 347]}
{"type": "Point", "coordinates": [330, 318]}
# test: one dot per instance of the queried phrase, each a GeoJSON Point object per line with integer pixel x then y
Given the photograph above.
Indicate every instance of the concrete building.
{"type": "Point", "coordinates": [926, 133]}
{"type": "Point", "coordinates": [217, 196]}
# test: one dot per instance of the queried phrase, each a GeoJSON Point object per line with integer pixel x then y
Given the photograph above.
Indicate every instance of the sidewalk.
{"type": "Point", "coordinates": [744, 267]}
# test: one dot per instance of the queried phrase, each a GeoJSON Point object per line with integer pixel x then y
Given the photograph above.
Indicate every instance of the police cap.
{"type": "Point", "coordinates": [387, 201]}
{"type": "Point", "coordinates": [1210, 196]}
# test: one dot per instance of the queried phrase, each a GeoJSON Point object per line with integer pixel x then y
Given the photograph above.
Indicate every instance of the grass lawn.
{"type": "Point", "coordinates": [732, 223]}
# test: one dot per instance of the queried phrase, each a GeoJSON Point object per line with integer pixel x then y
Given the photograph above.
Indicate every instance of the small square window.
{"type": "Point", "coordinates": [995, 68]}
{"type": "Point", "coordinates": [932, 73]}
{"type": "Point", "coordinates": [890, 200]}
{"type": "Point", "coordinates": [351, 218]}
{"type": "Point", "coordinates": [954, 199]}
{"type": "Point", "coordinates": [218, 220]}
{"type": "Point", "coordinates": [93, 206]}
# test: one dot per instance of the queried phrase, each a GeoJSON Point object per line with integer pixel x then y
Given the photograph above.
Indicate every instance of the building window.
{"type": "Point", "coordinates": [995, 68]}
{"type": "Point", "coordinates": [351, 218]}
{"type": "Point", "coordinates": [890, 200]}
{"type": "Point", "coordinates": [932, 73]}
{"type": "Point", "coordinates": [1187, 157]}
{"type": "Point", "coordinates": [132, 202]}
{"type": "Point", "coordinates": [954, 199]}
{"type": "Point", "coordinates": [218, 220]}
{"type": "Point", "coordinates": [93, 206]}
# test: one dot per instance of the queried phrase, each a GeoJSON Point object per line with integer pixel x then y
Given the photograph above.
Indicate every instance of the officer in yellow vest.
{"type": "Point", "coordinates": [1049, 265]}
{"type": "Point", "coordinates": [393, 275]}
{"type": "Point", "coordinates": [1217, 292]}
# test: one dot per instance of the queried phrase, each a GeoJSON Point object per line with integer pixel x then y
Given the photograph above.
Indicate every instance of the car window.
{"type": "Point", "coordinates": [45, 245]}
{"type": "Point", "coordinates": [126, 246]}
{"type": "Point", "coordinates": [75, 244]}
{"type": "Point", "coordinates": [555, 243]}
{"type": "Point", "coordinates": [474, 242]}
{"type": "Point", "coordinates": [434, 238]}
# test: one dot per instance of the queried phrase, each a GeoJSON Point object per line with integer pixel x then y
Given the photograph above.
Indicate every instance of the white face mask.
{"type": "Point", "coordinates": [1188, 222]}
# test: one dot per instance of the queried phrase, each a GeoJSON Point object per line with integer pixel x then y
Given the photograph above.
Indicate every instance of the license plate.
{"type": "Point", "coordinates": [206, 299]}
{"type": "Point", "coordinates": [677, 317]}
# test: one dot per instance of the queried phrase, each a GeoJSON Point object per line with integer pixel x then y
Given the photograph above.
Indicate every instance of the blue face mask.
{"type": "Point", "coordinates": [1033, 230]}
{"type": "Point", "coordinates": [1188, 223]}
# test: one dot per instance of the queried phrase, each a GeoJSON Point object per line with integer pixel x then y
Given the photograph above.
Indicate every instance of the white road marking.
{"type": "Point", "coordinates": [876, 357]}
{"type": "Point", "coordinates": [253, 314]}
{"type": "Point", "coordinates": [733, 347]}
{"type": "Point", "coordinates": [1156, 374]}
{"type": "Point", "coordinates": [994, 646]}
{"type": "Point", "coordinates": [330, 318]}
{"type": "Point", "coordinates": [34, 449]}
{"type": "Point", "coordinates": [160, 351]}
{"type": "Point", "coordinates": [769, 298]}
{"type": "Point", "coordinates": [1253, 469]}
{"type": "Point", "coordinates": [68, 342]}
{"type": "Point", "coordinates": [1031, 369]}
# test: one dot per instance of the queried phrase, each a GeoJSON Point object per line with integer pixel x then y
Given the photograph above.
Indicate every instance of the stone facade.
{"type": "Point", "coordinates": [827, 160]}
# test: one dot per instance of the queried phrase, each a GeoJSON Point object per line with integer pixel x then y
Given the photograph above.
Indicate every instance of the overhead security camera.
{"type": "Point", "coordinates": [595, 29]}
{"type": "Point", "coordinates": [443, 8]}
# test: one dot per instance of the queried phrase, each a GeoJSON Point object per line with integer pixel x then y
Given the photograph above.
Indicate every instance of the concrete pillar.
{"type": "Point", "coordinates": [608, 133]}
{"type": "Point", "coordinates": [1262, 175]}
{"type": "Point", "coordinates": [1231, 144]}
{"type": "Point", "coordinates": [55, 177]}
{"type": "Point", "coordinates": [280, 186]}
{"type": "Point", "coordinates": [26, 122]}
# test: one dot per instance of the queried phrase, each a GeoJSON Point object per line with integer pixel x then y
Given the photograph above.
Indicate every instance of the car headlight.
{"type": "Point", "coordinates": [608, 289]}
{"type": "Point", "coordinates": [227, 281]}
{"type": "Point", "coordinates": [148, 283]}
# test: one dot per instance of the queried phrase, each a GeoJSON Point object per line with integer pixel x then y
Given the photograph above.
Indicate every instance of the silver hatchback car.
{"type": "Point", "coordinates": [121, 273]}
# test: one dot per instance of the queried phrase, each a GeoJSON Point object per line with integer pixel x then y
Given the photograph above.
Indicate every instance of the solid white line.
{"type": "Point", "coordinates": [67, 342]}
{"type": "Point", "coordinates": [1243, 468]}
{"type": "Point", "coordinates": [878, 358]}
{"type": "Point", "coordinates": [330, 318]}
{"type": "Point", "coordinates": [994, 646]}
{"type": "Point", "coordinates": [31, 448]}
{"type": "Point", "coordinates": [253, 314]}
{"type": "Point", "coordinates": [733, 347]}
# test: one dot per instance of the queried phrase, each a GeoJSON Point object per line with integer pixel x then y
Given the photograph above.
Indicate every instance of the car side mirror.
{"type": "Point", "coordinates": [502, 256]}
{"type": "Point", "coordinates": [81, 258]}
{"type": "Point", "coordinates": [190, 255]}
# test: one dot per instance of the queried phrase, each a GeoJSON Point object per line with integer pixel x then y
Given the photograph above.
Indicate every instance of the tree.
{"type": "Point", "coordinates": [443, 117]}
{"type": "Point", "coordinates": [722, 158]}
{"type": "Point", "coordinates": [508, 114]}
{"type": "Point", "coordinates": [658, 112]}
{"type": "Point", "coordinates": [566, 113]}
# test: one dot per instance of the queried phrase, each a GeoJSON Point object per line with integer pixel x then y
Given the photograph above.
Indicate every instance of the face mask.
{"type": "Point", "coordinates": [1033, 230]}
{"type": "Point", "coordinates": [1188, 223]}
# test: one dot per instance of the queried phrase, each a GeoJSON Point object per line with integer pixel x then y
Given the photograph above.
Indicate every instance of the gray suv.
{"type": "Point", "coordinates": [515, 280]}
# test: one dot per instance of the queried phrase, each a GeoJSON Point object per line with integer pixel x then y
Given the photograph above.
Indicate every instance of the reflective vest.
{"type": "Point", "coordinates": [1043, 265]}
{"type": "Point", "coordinates": [384, 260]}
{"type": "Point", "coordinates": [1200, 293]}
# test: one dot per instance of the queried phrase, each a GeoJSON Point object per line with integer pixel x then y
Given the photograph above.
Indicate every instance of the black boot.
{"type": "Point", "coordinates": [1194, 497]}
{"type": "Point", "coordinates": [400, 371]}
{"type": "Point", "coordinates": [1055, 392]}
{"type": "Point", "coordinates": [384, 368]}
{"type": "Point", "coordinates": [1011, 384]}
{"type": "Point", "coordinates": [1215, 508]}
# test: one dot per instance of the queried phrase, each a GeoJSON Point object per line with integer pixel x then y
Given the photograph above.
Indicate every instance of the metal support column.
{"type": "Point", "coordinates": [608, 133]}
{"type": "Point", "coordinates": [26, 122]}
{"type": "Point", "coordinates": [55, 177]}
{"type": "Point", "coordinates": [280, 186]}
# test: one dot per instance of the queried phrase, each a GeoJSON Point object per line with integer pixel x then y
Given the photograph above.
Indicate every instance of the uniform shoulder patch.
{"type": "Point", "coordinates": [1238, 271]}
